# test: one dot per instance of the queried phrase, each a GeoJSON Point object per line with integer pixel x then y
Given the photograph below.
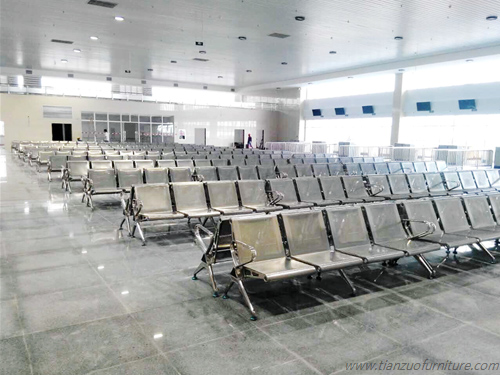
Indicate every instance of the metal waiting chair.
{"type": "Point", "coordinates": [336, 169]}
{"type": "Point", "coordinates": [267, 162]}
{"type": "Point", "coordinates": [494, 178]}
{"type": "Point", "coordinates": [453, 184]}
{"type": "Point", "coordinates": [166, 163]}
{"type": "Point", "coordinates": [205, 174]}
{"type": "Point", "coordinates": [435, 184]}
{"type": "Point", "coordinates": [180, 174]}
{"type": "Point", "coordinates": [353, 169]}
{"type": "Point", "coordinates": [128, 177]}
{"type": "Point", "coordinates": [228, 173]}
{"type": "Point", "coordinates": [285, 187]}
{"type": "Point", "coordinates": [247, 173]}
{"type": "Point", "coordinates": [258, 252]}
{"type": "Point", "coordinates": [99, 182]}
{"type": "Point", "coordinates": [381, 168]}
{"type": "Point", "coordinates": [101, 164]}
{"type": "Point", "coordinates": [123, 164]}
{"type": "Point", "coordinates": [75, 171]}
{"type": "Point", "coordinates": [395, 167]}
{"type": "Point", "coordinates": [441, 165]}
{"type": "Point", "coordinates": [368, 169]}
{"type": "Point", "coordinates": [57, 163]}
{"type": "Point", "coordinates": [184, 163]}
{"type": "Point", "coordinates": [266, 172]}
{"type": "Point", "coordinates": [379, 186]}
{"type": "Point", "coordinates": [407, 167]}
{"type": "Point", "coordinates": [468, 183]}
{"type": "Point", "coordinates": [220, 162]}
{"type": "Point", "coordinates": [309, 191]}
{"type": "Point", "coordinates": [356, 190]}
{"type": "Point", "coordinates": [254, 196]}
{"type": "Point", "coordinates": [224, 198]}
{"type": "Point", "coordinates": [333, 190]}
{"type": "Point", "coordinates": [156, 175]}
{"type": "Point", "coordinates": [431, 166]}
{"type": "Point", "coordinates": [320, 169]}
{"type": "Point", "coordinates": [399, 186]}
{"type": "Point", "coordinates": [143, 164]}
{"type": "Point", "coordinates": [419, 167]}
{"type": "Point", "coordinates": [43, 159]}
{"type": "Point", "coordinates": [190, 200]}
{"type": "Point", "coordinates": [480, 215]}
{"type": "Point", "coordinates": [202, 163]}
{"type": "Point", "coordinates": [303, 170]}
{"type": "Point", "coordinates": [418, 186]}
{"type": "Point", "coordinates": [482, 181]}
{"type": "Point", "coordinates": [287, 171]}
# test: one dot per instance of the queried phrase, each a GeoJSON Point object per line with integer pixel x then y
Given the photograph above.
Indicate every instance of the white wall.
{"type": "Point", "coordinates": [23, 118]}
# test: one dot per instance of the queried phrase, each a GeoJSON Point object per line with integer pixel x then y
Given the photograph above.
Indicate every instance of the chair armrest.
{"type": "Point", "coordinates": [197, 228]}
{"type": "Point", "coordinates": [274, 197]}
{"type": "Point", "coordinates": [431, 228]}
{"type": "Point", "coordinates": [454, 187]}
{"type": "Point", "coordinates": [234, 253]}
{"type": "Point", "coordinates": [379, 187]}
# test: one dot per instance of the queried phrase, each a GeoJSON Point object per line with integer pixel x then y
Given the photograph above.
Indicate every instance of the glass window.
{"type": "Point", "coordinates": [87, 130]}
{"type": "Point", "coordinates": [101, 116]}
{"type": "Point", "coordinates": [87, 115]}
{"type": "Point", "coordinates": [113, 117]}
{"type": "Point", "coordinates": [99, 128]}
{"type": "Point", "coordinates": [145, 119]}
{"type": "Point", "coordinates": [125, 117]}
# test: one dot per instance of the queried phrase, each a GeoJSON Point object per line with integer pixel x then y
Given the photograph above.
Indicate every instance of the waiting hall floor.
{"type": "Point", "coordinates": [78, 297]}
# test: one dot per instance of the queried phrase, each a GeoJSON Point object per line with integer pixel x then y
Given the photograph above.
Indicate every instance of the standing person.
{"type": "Point", "coordinates": [106, 135]}
{"type": "Point", "coordinates": [249, 141]}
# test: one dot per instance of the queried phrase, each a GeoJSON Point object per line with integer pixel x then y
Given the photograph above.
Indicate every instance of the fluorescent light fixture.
{"type": "Point", "coordinates": [77, 50]}
{"type": "Point", "coordinates": [94, 37]}
{"type": "Point", "coordinates": [125, 292]}
{"type": "Point", "coordinates": [158, 336]}
{"type": "Point", "coordinates": [64, 61]}
{"type": "Point", "coordinates": [100, 267]}
{"type": "Point", "coordinates": [119, 18]}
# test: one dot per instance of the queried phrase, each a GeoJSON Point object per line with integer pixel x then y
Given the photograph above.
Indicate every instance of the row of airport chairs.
{"type": "Point", "coordinates": [304, 243]}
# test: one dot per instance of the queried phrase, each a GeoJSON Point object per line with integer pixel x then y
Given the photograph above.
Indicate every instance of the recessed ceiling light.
{"type": "Point", "coordinates": [64, 61]}
{"type": "Point", "coordinates": [278, 88]}
{"type": "Point", "coordinates": [249, 71]}
{"type": "Point", "coordinates": [398, 38]}
{"type": "Point", "coordinates": [94, 38]}
{"type": "Point", "coordinates": [127, 71]}
{"type": "Point", "coordinates": [469, 60]}
{"type": "Point", "coordinates": [333, 52]}
{"type": "Point", "coordinates": [300, 18]}
{"type": "Point", "coordinates": [203, 52]}
{"type": "Point", "coordinates": [150, 69]}
{"type": "Point", "coordinates": [173, 62]}
{"type": "Point", "coordinates": [77, 50]}
{"type": "Point", "coordinates": [350, 77]}
{"type": "Point", "coordinates": [119, 18]}
{"type": "Point", "coordinates": [491, 18]}
{"type": "Point", "coordinates": [198, 43]}
{"type": "Point", "coordinates": [401, 70]}
{"type": "Point", "coordinates": [284, 63]}
{"type": "Point", "coordinates": [220, 77]}
{"type": "Point", "coordinates": [309, 83]}
{"type": "Point", "coordinates": [242, 38]}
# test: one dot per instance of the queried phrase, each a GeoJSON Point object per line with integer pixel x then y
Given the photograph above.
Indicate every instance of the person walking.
{"type": "Point", "coordinates": [249, 141]}
{"type": "Point", "coordinates": [106, 135]}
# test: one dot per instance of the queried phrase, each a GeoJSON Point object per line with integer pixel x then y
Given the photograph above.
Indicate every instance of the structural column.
{"type": "Point", "coordinates": [397, 107]}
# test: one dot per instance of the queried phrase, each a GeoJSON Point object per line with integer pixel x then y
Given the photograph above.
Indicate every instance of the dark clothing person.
{"type": "Point", "coordinates": [249, 141]}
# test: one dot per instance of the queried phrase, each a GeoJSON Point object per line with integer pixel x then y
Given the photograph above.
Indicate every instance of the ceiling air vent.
{"type": "Point", "coordinates": [143, 81]}
{"type": "Point", "coordinates": [33, 81]}
{"type": "Point", "coordinates": [61, 41]}
{"type": "Point", "coordinates": [109, 79]}
{"type": "Point", "coordinates": [115, 88]}
{"type": "Point", "coordinates": [50, 111]}
{"type": "Point", "coordinates": [71, 75]}
{"type": "Point", "coordinates": [29, 71]}
{"type": "Point", "coordinates": [233, 90]}
{"type": "Point", "coordinates": [13, 81]}
{"type": "Point", "coordinates": [176, 85]}
{"type": "Point", "coordinates": [205, 87]}
{"type": "Point", "coordinates": [198, 59]}
{"type": "Point", "coordinates": [278, 35]}
{"type": "Point", "coordinates": [105, 4]}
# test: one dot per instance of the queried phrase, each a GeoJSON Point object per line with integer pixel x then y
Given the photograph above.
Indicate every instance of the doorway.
{"type": "Point", "coordinates": [62, 132]}
{"type": "Point", "coordinates": [130, 130]}
{"type": "Point", "coordinates": [239, 138]}
{"type": "Point", "coordinates": [200, 136]}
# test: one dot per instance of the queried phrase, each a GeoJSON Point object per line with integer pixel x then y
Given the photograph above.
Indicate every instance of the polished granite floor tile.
{"type": "Point", "coordinates": [156, 365]}
{"type": "Point", "coordinates": [80, 349]}
{"type": "Point", "coordinates": [10, 325]}
{"type": "Point", "coordinates": [14, 358]}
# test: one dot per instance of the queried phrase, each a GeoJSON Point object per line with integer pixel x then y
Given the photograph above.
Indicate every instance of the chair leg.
{"type": "Point", "coordinates": [90, 202]}
{"type": "Point", "coordinates": [424, 263]}
{"type": "Point", "coordinates": [141, 233]}
{"type": "Point", "coordinates": [83, 197]}
{"type": "Point", "coordinates": [49, 177]}
{"type": "Point", "coordinates": [133, 230]}
{"type": "Point", "coordinates": [492, 257]}
{"type": "Point", "coordinates": [243, 292]}
{"type": "Point", "coordinates": [384, 267]}
{"type": "Point", "coordinates": [212, 280]}
{"type": "Point", "coordinates": [201, 267]}
{"type": "Point", "coordinates": [347, 281]}
{"type": "Point", "coordinates": [121, 224]}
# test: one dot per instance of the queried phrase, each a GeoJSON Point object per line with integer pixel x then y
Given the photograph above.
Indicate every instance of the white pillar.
{"type": "Point", "coordinates": [397, 107]}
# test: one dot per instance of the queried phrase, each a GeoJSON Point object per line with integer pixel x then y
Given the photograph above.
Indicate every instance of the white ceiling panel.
{"type": "Point", "coordinates": [155, 32]}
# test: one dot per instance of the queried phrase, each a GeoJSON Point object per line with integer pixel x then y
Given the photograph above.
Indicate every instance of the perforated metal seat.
{"type": "Point", "coordinates": [123, 164]}
{"type": "Point", "coordinates": [481, 218]}
{"type": "Point", "coordinates": [220, 162]}
{"type": "Point", "coordinates": [267, 162]}
{"type": "Point", "coordinates": [336, 169]}
{"type": "Point", "coordinates": [418, 186]}
{"type": "Point", "coordinates": [57, 163]}
{"type": "Point", "coordinates": [333, 190]}
{"type": "Point", "coordinates": [286, 188]}
{"type": "Point", "coordinates": [205, 174]}
{"type": "Point", "coordinates": [355, 189]}
{"type": "Point", "coordinates": [180, 174]}
{"type": "Point", "coordinates": [379, 186]}
{"type": "Point", "coordinates": [75, 171]}
{"type": "Point", "coordinates": [494, 178]}
{"type": "Point", "coordinates": [381, 168]}
{"type": "Point", "coordinates": [399, 186]}
{"type": "Point", "coordinates": [419, 167]}
{"type": "Point", "coordinates": [101, 164]}
{"type": "Point", "coordinates": [495, 205]}
{"type": "Point", "coordinates": [394, 167]}
{"type": "Point", "coordinates": [114, 157]}
{"type": "Point", "coordinates": [184, 163]}
{"type": "Point", "coordinates": [202, 163]}
{"type": "Point", "coordinates": [166, 163]}
{"type": "Point", "coordinates": [287, 171]}
{"type": "Point", "coordinates": [303, 170]}
{"type": "Point", "coordinates": [142, 164]}
{"type": "Point", "coordinates": [320, 170]}
{"type": "Point", "coordinates": [435, 184]}
{"type": "Point", "coordinates": [248, 173]}
{"type": "Point", "coordinates": [253, 195]}
{"type": "Point", "coordinates": [309, 191]}
{"type": "Point", "coordinates": [99, 182]}
{"type": "Point", "coordinates": [227, 173]}
{"type": "Point", "coordinates": [407, 167]}
{"type": "Point", "coordinates": [259, 253]}
{"type": "Point", "coordinates": [350, 236]}
{"type": "Point", "coordinates": [482, 181]}
{"type": "Point", "coordinates": [190, 200]}
{"type": "Point", "coordinates": [468, 182]}
{"type": "Point", "coordinates": [453, 184]}
{"type": "Point", "coordinates": [431, 166]}
{"type": "Point", "coordinates": [129, 177]}
{"type": "Point", "coordinates": [441, 165]}
{"type": "Point", "coordinates": [368, 168]}
{"type": "Point", "coordinates": [156, 175]}
{"type": "Point", "coordinates": [224, 198]}
{"type": "Point", "coordinates": [353, 169]}
{"type": "Point", "coordinates": [266, 172]}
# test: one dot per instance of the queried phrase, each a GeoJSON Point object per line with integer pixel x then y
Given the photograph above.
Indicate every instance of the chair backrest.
{"type": "Point", "coordinates": [478, 209]}
{"type": "Point", "coordinates": [222, 194]}
{"type": "Point", "coordinates": [220, 162]}
{"type": "Point", "coordinates": [103, 178]}
{"type": "Point", "coordinates": [156, 175]}
{"type": "Point", "coordinates": [368, 168]}
{"type": "Point", "coordinates": [345, 159]}
{"type": "Point", "coordinates": [114, 157]}
{"type": "Point", "coordinates": [353, 169]}
{"type": "Point", "coordinates": [441, 165]}
{"type": "Point", "coordinates": [419, 167]}
{"type": "Point", "coordinates": [394, 167]}
{"type": "Point", "coordinates": [262, 232]}
{"type": "Point", "coordinates": [286, 187]}
{"type": "Point", "coordinates": [228, 173]}
{"type": "Point", "coordinates": [43, 156]}
{"type": "Point", "coordinates": [253, 193]}
{"type": "Point", "coordinates": [336, 169]}
{"type": "Point", "coordinates": [332, 187]}
{"type": "Point", "coordinates": [101, 164]}
{"type": "Point", "coordinates": [208, 173]}
{"type": "Point", "coordinates": [452, 181]}
{"type": "Point", "coordinates": [167, 156]}
{"type": "Point", "coordinates": [247, 173]}
{"type": "Point", "coordinates": [78, 168]}
{"type": "Point", "coordinates": [379, 185]}
{"type": "Point", "coordinates": [139, 153]}
{"type": "Point", "coordinates": [481, 178]}
{"type": "Point", "coordinates": [111, 152]}
{"type": "Point", "coordinates": [189, 196]}
{"type": "Point", "coordinates": [398, 184]}
{"type": "Point", "coordinates": [467, 180]}
{"type": "Point", "coordinates": [355, 187]}
{"type": "Point", "coordinates": [202, 163]}
{"type": "Point", "coordinates": [303, 170]}
{"type": "Point", "coordinates": [494, 177]}
{"type": "Point", "coordinates": [308, 189]}
{"type": "Point", "coordinates": [357, 160]}
{"type": "Point", "coordinates": [295, 160]}
{"type": "Point", "coordinates": [305, 232]}
{"type": "Point", "coordinates": [180, 174]}
{"type": "Point", "coordinates": [78, 157]}
{"type": "Point", "coordinates": [348, 227]}
{"type": "Point", "coordinates": [267, 161]}
{"type": "Point", "coordinates": [266, 172]}
{"type": "Point", "coordinates": [495, 205]}
{"type": "Point", "coordinates": [407, 167]}
{"type": "Point", "coordinates": [431, 166]}
{"type": "Point", "coordinates": [63, 153]}
{"type": "Point", "coordinates": [369, 160]}
{"type": "Point", "coordinates": [435, 182]}
{"type": "Point", "coordinates": [421, 210]}
{"type": "Point", "coordinates": [417, 183]}
{"type": "Point", "coordinates": [58, 162]}
{"type": "Point", "coordinates": [320, 170]}
{"type": "Point", "coordinates": [452, 214]}
{"type": "Point", "coordinates": [144, 164]}
{"type": "Point", "coordinates": [184, 163]}
{"type": "Point", "coordinates": [252, 162]}
{"type": "Point", "coordinates": [123, 164]}
{"type": "Point", "coordinates": [166, 163]}
{"type": "Point", "coordinates": [381, 168]}
{"type": "Point", "coordinates": [288, 169]}
{"type": "Point", "coordinates": [154, 197]}
{"type": "Point", "coordinates": [129, 177]}
{"type": "Point", "coordinates": [385, 222]}
{"type": "Point", "coordinates": [321, 160]}
{"type": "Point", "coordinates": [280, 161]}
